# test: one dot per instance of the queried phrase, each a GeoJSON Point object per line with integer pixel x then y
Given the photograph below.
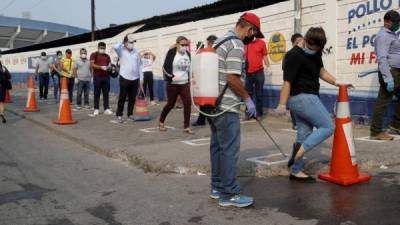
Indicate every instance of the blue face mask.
{"type": "Point", "coordinates": [309, 51]}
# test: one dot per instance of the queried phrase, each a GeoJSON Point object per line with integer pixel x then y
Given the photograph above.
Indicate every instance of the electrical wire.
{"type": "Point", "coordinates": [7, 6]}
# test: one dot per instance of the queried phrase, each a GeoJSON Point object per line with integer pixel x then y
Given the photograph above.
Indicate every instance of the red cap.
{"type": "Point", "coordinates": [255, 21]}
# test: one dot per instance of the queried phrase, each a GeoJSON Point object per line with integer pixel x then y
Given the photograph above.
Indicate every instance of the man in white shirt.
{"type": "Point", "coordinates": [43, 65]}
{"type": "Point", "coordinates": [131, 75]}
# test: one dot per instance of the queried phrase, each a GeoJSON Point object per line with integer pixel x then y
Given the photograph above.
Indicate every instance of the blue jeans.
{"type": "Point", "coordinates": [83, 87]}
{"type": "Point", "coordinates": [309, 113]}
{"type": "Point", "coordinates": [224, 153]}
{"type": "Point", "coordinates": [255, 83]}
{"type": "Point", "coordinates": [43, 85]}
{"type": "Point", "coordinates": [56, 85]}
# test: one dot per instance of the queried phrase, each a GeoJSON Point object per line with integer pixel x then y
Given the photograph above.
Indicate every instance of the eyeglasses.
{"type": "Point", "coordinates": [184, 45]}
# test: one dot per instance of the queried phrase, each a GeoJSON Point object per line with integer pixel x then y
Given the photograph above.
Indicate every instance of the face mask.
{"type": "Point", "coordinates": [183, 49]}
{"type": "Point", "coordinates": [43, 57]}
{"type": "Point", "coordinates": [309, 51]}
{"type": "Point", "coordinates": [129, 46]}
{"type": "Point", "coordinates": [248, 39]}
{"type": "Point", "coordinates": [102, 51]}
{"type": "Point", "coordinates": [83, 56]}
{"type": "Point", "coordinates": [59, 56]}
{"type": "Point", "coordinates": [68, 56]}
{"type": "Point", "coordinates": [395, 27]}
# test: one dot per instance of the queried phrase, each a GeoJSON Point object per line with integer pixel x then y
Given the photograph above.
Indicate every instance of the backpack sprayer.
{"type": "Point", "coordinates": [204, 84]}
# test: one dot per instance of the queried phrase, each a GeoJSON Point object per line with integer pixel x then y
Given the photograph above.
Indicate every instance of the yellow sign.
{"type": "Point", "coordinates": [277, 47]}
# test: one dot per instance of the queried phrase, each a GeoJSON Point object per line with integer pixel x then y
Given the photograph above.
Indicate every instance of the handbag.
{"type": "Point", "coordinates": [141, 109]}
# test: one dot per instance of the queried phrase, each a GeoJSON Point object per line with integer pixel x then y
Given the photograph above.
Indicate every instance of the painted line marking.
{"type": "Point", "coordinates": [258, 160]}
{"type": "Point", "coordinates": [247, 121]}
{"type": "Point", "coordinates": [367, 138]}
{"type": "Point", "coordinates": [289, 130]}
{"type": "Point", "coordinates": [198, 142]}
{"type": "Point", "coordinates": [155, 129]}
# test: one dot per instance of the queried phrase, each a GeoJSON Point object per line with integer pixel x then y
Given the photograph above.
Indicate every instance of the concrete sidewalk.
{"type": "Point", "coordinates": [142, 145]}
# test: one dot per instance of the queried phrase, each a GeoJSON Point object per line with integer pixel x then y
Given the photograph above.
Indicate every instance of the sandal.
{"type": "Point", "coordinates": [161, 127]}
{"type": "Point", "coordinates": [188, 131]}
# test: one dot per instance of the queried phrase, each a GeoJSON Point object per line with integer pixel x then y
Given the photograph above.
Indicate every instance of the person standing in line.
{"type": "Point", "coordinates": [55, 75]}
{"type": "Point", "coordinates": [84, 76]}
{"type": "Point", "coordinates": [387, 48]}
{"type": "Point", "coordinates": [148, 59]}
{"type": "Point", "coordinates": [42, 70]}
{"type": "Point", "coordinates": [5, 84]}
{"type": "Point", "coordinates": [303, 69]}
{"type": "Point", "coordinates": [176, 70]}
{"type": "Point", "coordinates": [201, 120]}
{"type": "Point", "coordinates": [256, 57]}
{"type": "Point", "coordinates": [100, 62]}
{"type": "Point", "coordinates": [131, 75]}
{"type": "Point", "coordinates": [67, 66]}
{"type": "Point", "coordinates": [225, 128]}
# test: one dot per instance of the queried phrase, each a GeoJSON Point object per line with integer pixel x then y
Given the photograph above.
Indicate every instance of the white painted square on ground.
{"type": "Point", "coordinates": [197, 142]}
{"type": "Point", "coordinates": [155, 129]}
{"type": "Point", "coordinates": [289, 130]}
{"type": "Point", "coordinates": [367, 138]}
{"type": "Point", "coordinates": [247, 121]}
{"type": "Point", "coordinates": [263, 159]}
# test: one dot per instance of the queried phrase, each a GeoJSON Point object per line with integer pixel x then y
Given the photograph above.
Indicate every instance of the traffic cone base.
{"type": "Point", "coordinates": [362, 177]}
{"type": "Point", "coordinates": [31, 110]}
{"type": "Point", "coordinates": [64, 122]}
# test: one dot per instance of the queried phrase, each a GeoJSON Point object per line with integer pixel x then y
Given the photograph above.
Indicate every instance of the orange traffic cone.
{"type": "Point", "coordinates": [64, 114]}
{"type": "Point", "coordinates": [344, 169]}
{"type": "Point", "coordinates": [31, 105]}
{"type": "Point", "coordinates": [8, 97]}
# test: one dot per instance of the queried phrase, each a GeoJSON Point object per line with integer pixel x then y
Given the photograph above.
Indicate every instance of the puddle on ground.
{"type": "Point", "coordinates": [30, 191]}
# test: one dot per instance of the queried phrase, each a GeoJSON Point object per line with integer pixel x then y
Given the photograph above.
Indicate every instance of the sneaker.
{"type": "Point", "coordinates": [214, 194]}
{"type": "Point", "coordinates": [78, 108]}
{"type": "Point", "coordinates": [87, 106]}
{"type": "Point", "coordinates": [394, 130]}
{"type": "Point", "coordinates": [108, 112]}
{"type": "Point", "coordinates": [118, 120]}
{"type": "Point", "coordinates": [383, 136]}
{"type": "Point", "coordinates": [3, 119]}
{"type": "Point", "coordinates": [96, 112]}
{"type": "Point", "coordinates": [131, 117]}
{"type": "Point", "coordinates": [237, 201]}
{"type": "Point", "coordinates": [153, 103]}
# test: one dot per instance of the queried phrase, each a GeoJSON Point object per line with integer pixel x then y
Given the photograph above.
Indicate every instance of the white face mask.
{"type": "Point", "coordinates": [129, 46]}
{"type": "Point", "coordinates": [43, 57]}
{"type": "Point", "coordinates": [59, 56]}
{"type": "Point", "coordinates": [102, 51]}
{"type": "Point", "coordinates": [83, 56]}
{"type": "Point", "coordinates": [183, 49]}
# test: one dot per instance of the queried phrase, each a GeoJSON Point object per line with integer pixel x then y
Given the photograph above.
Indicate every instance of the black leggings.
{"type": "Point", "coordinates": [148, 82]}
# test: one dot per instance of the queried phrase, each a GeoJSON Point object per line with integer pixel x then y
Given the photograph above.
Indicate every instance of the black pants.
{"type": "Point", "coordinates": [255, 81]}
{"type": "Point", "coordinates": [148, 82]}
{"type": "Point", "coordinates": [127, 88]}
{"type": "Point", "coordinates": [101, 84]}
{"type": "Point", "coordinates": [43, 85]}
{"type": "Point", "coordinates": [71, 83]}
{"type": "Point", "coordinates": [382, 102]}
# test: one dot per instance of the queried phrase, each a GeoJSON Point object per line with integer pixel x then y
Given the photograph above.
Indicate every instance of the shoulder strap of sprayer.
{"type": "Point", "coordinates": [221, 95]}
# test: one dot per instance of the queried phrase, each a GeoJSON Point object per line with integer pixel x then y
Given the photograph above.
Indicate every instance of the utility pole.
{"type": "Point", "coordinates": [93, 20]}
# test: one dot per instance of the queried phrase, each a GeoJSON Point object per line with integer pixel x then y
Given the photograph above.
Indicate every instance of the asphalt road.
{"type": "Point", "coordinates": [48, 180]}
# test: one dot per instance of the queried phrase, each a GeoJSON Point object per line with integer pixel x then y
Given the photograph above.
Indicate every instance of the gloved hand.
{"type": "Point", "coordinates": [76, 80]}
{"type": "Point", "coordinates": [390, 86]}
{"type": "Point", "coordinates": [104, 68]}
{"type": "Point", "coordinates": [280, 109]}
{"type": "Point", "coordinates": [251, 108]}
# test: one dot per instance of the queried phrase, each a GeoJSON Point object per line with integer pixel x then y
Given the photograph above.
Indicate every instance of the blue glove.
{"type": "Point", "coordinates": [390, 86]}
{"type": "Point", "coordinates": [251, 108]}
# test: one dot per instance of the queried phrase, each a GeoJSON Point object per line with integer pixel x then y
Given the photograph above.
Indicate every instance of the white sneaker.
{"type": "Point", "coordinates": [118, 120]}
{"type": "Point", "coordinates": [108, 112]}
{"type": "Point", "coordinates": [96, 112]}
{"type": "Point", "coordinates": [153, 103]}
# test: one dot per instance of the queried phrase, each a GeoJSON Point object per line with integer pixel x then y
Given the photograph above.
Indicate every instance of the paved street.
{"type": "Point", "coordinates": [50, 179]}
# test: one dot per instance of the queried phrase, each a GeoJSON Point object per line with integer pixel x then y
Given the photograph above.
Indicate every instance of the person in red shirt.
{"type": "Point", "coordinates": [100, 62]}
{"type": "Point", "coordinates": [256, 57]}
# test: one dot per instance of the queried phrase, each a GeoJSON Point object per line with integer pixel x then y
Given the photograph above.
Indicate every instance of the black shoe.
{"type": "Point", "coordinates": [296, 147]}
{"type": "Point", "coordinates": [3, 119]}
{"type": "Point", "coordinates": [196, 124]}
{"type": "Point", "coordinates": [308, 179]}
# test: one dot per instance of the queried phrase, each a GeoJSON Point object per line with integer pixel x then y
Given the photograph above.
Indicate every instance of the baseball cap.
{"type": "Point", "coordinates": [255, 21]}
{"type": "Point", "coordinates": [392, 15]}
